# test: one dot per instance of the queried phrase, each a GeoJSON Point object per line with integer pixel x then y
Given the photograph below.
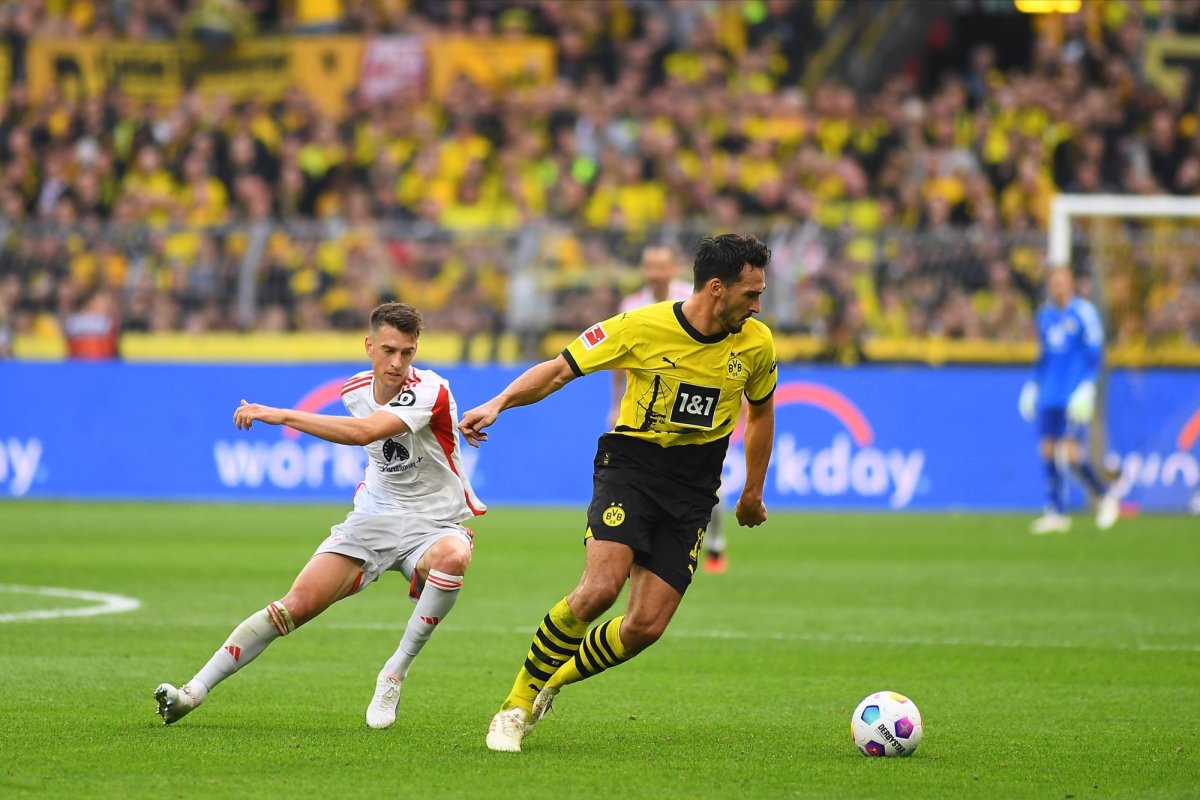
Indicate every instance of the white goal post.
{"type": "Point", "coordinates": [1065, 207]}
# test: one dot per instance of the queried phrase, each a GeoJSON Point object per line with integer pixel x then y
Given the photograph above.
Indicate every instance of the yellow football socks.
{"type": "Point", "coordinates": [554, 645]}
{"type": "Point", "coordinates": [601, 650]}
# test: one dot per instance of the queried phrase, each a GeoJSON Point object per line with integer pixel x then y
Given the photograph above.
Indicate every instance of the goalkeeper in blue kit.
{"type": "Point", "coordinates": [1061, 397]}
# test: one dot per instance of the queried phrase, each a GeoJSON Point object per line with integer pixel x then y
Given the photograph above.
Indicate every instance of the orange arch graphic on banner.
{"type": "Point", "coordinates": [829, 400]}
{"type": "Point", "coordinates": [315, 400]}
{"type": "Point", "coordinates": [1189, 432]}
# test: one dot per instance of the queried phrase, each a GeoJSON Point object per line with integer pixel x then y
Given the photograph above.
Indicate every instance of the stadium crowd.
{"type": "Point", "coordinates": [917, 209]}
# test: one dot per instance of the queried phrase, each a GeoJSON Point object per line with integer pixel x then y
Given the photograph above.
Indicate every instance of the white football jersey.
{"type": "Point", "coordinates": [420, 472]}
{"type": "Point", "coordinates": [677, 290]}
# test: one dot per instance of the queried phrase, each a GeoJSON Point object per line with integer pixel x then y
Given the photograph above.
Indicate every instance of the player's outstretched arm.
{"type": "Point", "coordinates": [535, 383]}
{"type": "Point", "coordinates": [339, 430]}
{"type": "Point", "coordinates": [760, 438]}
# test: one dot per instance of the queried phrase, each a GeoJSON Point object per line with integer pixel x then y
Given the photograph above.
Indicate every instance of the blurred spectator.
{"type": "Point", "coordinates": [93, 328]}
{"type": "Point", "coordinates": [218, 24]}
{"type": "Point", "coordinates": [910, 213]}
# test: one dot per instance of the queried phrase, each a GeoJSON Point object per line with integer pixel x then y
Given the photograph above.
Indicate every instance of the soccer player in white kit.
{"type": "Point", "coordinates": [408, 514]}
{"type": "Point", "coordinates": [659, 269]}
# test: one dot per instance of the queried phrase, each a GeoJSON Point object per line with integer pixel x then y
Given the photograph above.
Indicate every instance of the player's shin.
{"type": "Point", "coordinates": [246, 642]}
{"type": "Point", "coordinates": [1054, 487]}
{"type": "Point", "coordinates": [555, 644]}
{"type": "Point", "coordinates": [437, 598]}
{"type": "Point", "coordinates": [1089, 478]}
{"type": "Point", "coordinates": [602, 649]}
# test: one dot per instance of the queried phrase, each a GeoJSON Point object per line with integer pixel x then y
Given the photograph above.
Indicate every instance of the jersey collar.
{"type": "Point", "coordinates": [691, 331]}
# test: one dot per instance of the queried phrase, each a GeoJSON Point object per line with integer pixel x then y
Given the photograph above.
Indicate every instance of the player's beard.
{"type": "Point", "coordinates": [733, 324]}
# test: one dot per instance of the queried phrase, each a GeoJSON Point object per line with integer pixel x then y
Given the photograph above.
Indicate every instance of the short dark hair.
{"type": "Point", "coordinates": [400, 316]}
{"type": "Point", "coordinates": [724, 256]}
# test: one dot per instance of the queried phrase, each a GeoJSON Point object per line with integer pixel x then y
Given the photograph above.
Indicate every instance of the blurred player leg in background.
{"type": "Point", "coordinates": [714, 539]}
{"type": "Point", "coordinates": [1054, 518]}
{"type": "Point", "coordinates": [1101, 491]}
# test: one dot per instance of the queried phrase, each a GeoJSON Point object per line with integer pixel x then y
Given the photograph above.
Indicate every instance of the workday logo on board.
{"type": "Point", "coordinates": [1156, 470]}
{"type": "Point", "coordinates": [849, 465]}
{"type": "Point", "coordinates": [292, 461]}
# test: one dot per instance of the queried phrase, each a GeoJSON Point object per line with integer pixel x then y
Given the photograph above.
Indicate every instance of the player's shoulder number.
{"type": "Point", "coordinates": [406, 398]}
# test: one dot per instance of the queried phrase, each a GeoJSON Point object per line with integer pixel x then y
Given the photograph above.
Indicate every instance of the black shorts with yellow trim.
{"type": "Point", "coordinates": [664, 528]}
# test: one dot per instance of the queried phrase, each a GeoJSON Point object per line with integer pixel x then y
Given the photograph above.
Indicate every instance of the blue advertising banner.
{"type": "Point", "coordinates": [879, 437]}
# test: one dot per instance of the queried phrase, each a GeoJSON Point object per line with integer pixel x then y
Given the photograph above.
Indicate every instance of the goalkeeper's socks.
{"type": "Point", "coordinates": [246, 642]}
{"type": "Point", "coordinates": [1091, 479]}
{"type": "Point", "coordinates": [602, 649]}
{"type": "Point", "coordinates": [1054, 486]}
{"type": "Point", "coordinates": [554, 645]}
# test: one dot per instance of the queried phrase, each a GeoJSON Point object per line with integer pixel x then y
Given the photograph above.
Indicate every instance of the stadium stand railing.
{"type": "Point", "coordinates": [301, 290]}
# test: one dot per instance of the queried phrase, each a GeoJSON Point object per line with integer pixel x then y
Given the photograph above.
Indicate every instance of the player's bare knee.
{"type": "Point", "coordinates": [300, 605]}
{"type": "Point", "coordinates": [638, 634]}
{"type": "Point", "coordinates": [451, 557]}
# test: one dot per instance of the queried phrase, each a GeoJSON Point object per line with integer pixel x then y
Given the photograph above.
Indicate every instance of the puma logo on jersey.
{"type": "Point", "coordinates": [669, 361]}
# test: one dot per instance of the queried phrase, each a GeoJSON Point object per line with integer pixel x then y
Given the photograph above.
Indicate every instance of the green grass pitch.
{"type": "Point", "coordinates": [1057, 667]}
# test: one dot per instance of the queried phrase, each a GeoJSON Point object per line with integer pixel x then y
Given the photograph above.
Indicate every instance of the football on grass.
{"type": "Point", "coordinates": [886, 724]}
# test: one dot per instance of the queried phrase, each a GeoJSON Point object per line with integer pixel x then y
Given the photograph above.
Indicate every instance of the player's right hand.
{"type": "Point", "coordinates": [473, 423]}
{"type": "Point", "coordinates": [247, 413]}
{"type": "Point", "coordinates": [1027, 403]}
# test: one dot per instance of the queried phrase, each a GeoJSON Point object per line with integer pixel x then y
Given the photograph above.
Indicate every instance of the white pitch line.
{"type": "Point", "coordinates": [833, 638]}
{"type": "Point", "coordinates": [109, 603]}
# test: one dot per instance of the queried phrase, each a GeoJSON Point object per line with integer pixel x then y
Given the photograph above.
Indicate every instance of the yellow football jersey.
{"type": "Point", "coordinates": [681, 387]}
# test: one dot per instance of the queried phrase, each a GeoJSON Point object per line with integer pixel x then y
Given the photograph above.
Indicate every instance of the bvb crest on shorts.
{"type": "Point", "coordinates": [614, 515]}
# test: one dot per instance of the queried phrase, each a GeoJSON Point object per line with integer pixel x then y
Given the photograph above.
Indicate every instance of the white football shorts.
{"type": "Point", "coordinates": [389, 541]}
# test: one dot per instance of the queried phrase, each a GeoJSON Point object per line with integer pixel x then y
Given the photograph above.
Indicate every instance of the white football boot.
{"type": "Point", "coordinates": [1051, 522]}
{"type": "Point", "coordinates": [175, 704]}
{"type": "Point", "coordinates": [1108, 510]}
{"type": "Point", "coordinates": [507, 730]}
{"type": "Point", "coordinates": [542, 704]}
{"type": "Point", "coordinates": [381, 713]}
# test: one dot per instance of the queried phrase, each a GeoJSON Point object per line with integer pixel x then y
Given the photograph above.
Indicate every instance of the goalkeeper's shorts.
{"type": "Point", "coordinates": [1053, 424]}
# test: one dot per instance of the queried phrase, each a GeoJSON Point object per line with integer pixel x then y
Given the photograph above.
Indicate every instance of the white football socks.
{"type": "Point", "coordinates": [246, 642]}
{"type": "Point", "coordinates": [437, 598]}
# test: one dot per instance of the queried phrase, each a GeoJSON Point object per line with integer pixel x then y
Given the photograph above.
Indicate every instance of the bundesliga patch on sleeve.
{"type": "Point", "coordinates": [593, 336]}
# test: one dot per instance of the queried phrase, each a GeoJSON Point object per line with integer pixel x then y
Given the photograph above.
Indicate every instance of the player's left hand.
{"type": "Point", "coordinates": [750, 511]}
{"type": "Point", "coordinates": [1081, 405]}
{"type": "Point", "coordinates": [247, 413]}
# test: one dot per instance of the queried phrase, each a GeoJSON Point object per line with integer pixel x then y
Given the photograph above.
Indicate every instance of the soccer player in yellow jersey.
{"type": "Point", "coordinates": [656, 473]}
